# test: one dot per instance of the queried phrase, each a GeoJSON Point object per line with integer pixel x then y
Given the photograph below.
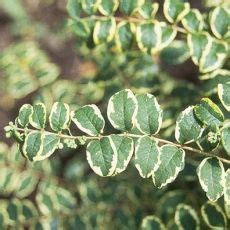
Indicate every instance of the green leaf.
{"type": "Point", "coordinates": [122, 110]}
{"type": "Point", "coordinates": [46, 202]}
{"type": "Point", "coordinates": [211, 176]}
{"type": "Point", "coordinates": [81, 27]}
{"type": "Point", "coordinates": [104, 30]}
{"type": "Point", "coordinates": [175, 10]}
{"type": "Point", "coordinates": [213, 215]}
{"type": "Point", "coordinates": [172, 160]}
{"type": "Point", "coordinates": [176, 53]}
{"type": "Point", "coordinates": [74, 8]}
{"type": "Point", "coordinates": [28, 210]}
{"type": "Point", "coordinates": [38, 118]}
{"type": "Point", "coordinates": [148, 10]}
{"type": "Point", "coordinates": [224, 95]}
{"type": "Point", "coordinates": [33, 145]}
{"type": "Point", "coordinates": [125, 148]}
{"type": "Point", "coordinates": [148, 37]}
{"type": "Point", "coordinates": [59, 116]}
{"type": "Point", "coordinates": [193, 21]}
{"type": "Point", "coordinates": [50, 144]}
{"type": "Point", "coordinates": [225, 139]}
{"type": "Point", "coordinates": [89, 6]}
{"type": "Point", "coordinates": [227, 193]}
{"type": "Point", "coordinates": [219, 22]}
{"type": "Point", "coordinates": [147, 156]}
{"type": "Point", "coordinates": [128, 7]}
{"type": "Point", "coordinates": [208, 112]}
{"type": "Point", "coordinates": [124, 36]}
{"type": "Point", "coordinates": [102, 156]}
{"type": "Point", "coordinates": [14, 210]}
{"type": "Point", "coordinates": [24, 115]}
{"type": "Point", "coordinates": [108, 7]}
{"type": "Point", "coordinates": [187, 128]}
{"type": "Point", "coordinates": [149, 114]}
{"type": "Point", "coordinates": [89, 120]}
{"type": "Point", "coordinates": [186, 217]}
{"type": "Point", "coordinates": [152, 223]}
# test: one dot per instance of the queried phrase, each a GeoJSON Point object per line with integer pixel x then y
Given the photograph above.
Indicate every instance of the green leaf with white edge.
{"type": "Point", "coordinates": [152, 223]}
{"type": "Point", "coordinates": [208, 112]}
{"type": "Point", "coordinates": [125, 148]}
{"type": "Point", "coordinates": [213, 56]}
{"type": "Point", "coordinates": [193, 21]}
{"type": "Point", "coordinates": [124, 36]}
{"type": "Point", "coordinates": [148, 36]}
{"type": "Point", "coordinates": [59, 116]}
{"type": "Point", "coordinates": [38, 118]}
{"type": "Point", "coordinates": [28, 210]}
{"type": "Point", "coordinates": [104, 30]}
{"type": "Point", "coordinates": [211, 176]}
{"type": "Point", "coordinates": [89, 120]}
{"type": "Point", "coordinates": [198, 43]}
{"type": "Point", "coordinates": [224, 95]}
{"type": "Point", "coordinates": [187, 128]}
{"type": "Point", "coordinates": [227, 193]}
{"type": "Point", "coordinates": [147, 156]}
{"type": "Point", "coordinates": [90, 6]}
{"type": "Point", "coordinates": [186, 217]}
{"type": "Point", "coordinates": [73, 8]}
{"type": "Point", "coordinates": [168, 33]}
{"type": "Point", "coordinates": [102, 156]}
{"type": "Point", "coordinates": [14, 210]}
{"type": "Point", "coordinates": [122, 110]}
{"type": "Point", "coordinates": [149, 114]}
{"type": "Point", "coordinates": [225, 139]}
{"type": "Point", "coordinates": [172, 160]}
{"type": "Point", "coordinates": [213, 215]}
{"type": "Point", "coordinates": [108, 7]}
{"type": "Point", "coordinates": [33, 145]}
{"type": "Point", "coordinates": [128, 7]}
{"type": "Point", "coordinates": [148, 10]}
{"type": "Point", "coordinates": [219, 22]}
{"type": "Point", "coordinates": [50, 144]}
{"type": "Point", "coordinates": [175, 10]}
{"type": "Point", "coordinates": [81, 27]}
{"type": "Point", "coordinates": [24, 115]}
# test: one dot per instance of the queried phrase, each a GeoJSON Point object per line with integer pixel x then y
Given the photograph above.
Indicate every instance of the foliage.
{"type": "Point", "coordinates": [128, 120]}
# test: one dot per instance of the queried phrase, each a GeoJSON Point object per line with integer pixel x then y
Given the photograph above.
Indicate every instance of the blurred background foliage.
{"type": "Point", "coordinates": [41, 59]}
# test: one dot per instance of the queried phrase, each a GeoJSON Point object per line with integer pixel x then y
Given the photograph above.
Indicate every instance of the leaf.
{"type": "Point", "coordinates": [33, 145]}
{"type": "Point", "coordinates": [81, 27]}
{"type": "Point", "coordinates": [74, 8]}
{"type": "Point", "coordinates": [186, 217]}
{"type": "Point", "coordinates": [125, 148]}
{"type": "Point", "coordinates": [176, 53]}
{"type": "Point", "coordinates": [124, 35]}
{"type": "Point", "coordinates": [50, 144]}
{"type": "Point", "coordinates": [211, 176]}
{"type": "Point", "coordinates": [108, 7]}
{"type": "Point", "coordinates": [187, 128]}
{"type": "Point", "coordinates": [89, 120]}
{"type": "Point", "coordinates": [128, 7]}
{"type": "Point", "coordinates": [147, 156]}
{"type": "Point", "coordinates": [227, 193]}
{"type": "Point", "coordinates": [224, 95]}
{"type": "Point", "coordinates": [59, 116]}
{"type": "Point", "coordinates": [172, 160]}
{"type": "Point", "coordinates": [122, 110]}
{"type": "Point", "coordinates": [148, 10]}
{"type": "Point", "coordinates": [175, 10]}
{"type": "Point", "coordinates": [89, 6]}
{"type": "Point", "coordinates": [193, 21]}
{"type": "Point", "coordinates": [102, 156]}
{"type": "Point", "coordinates": [38, 118]}
{"type": "Point", "coordinates": [24, 115]}
{"type": "Point", "coordinates": [219, 22]}
{"type": "Point", "coordinates": [211, 210]}
{"type": "Point", "coordinates": [148, 37]}
{"type": "Point", "coordinates": [149, 114]}
{"type": "Point", "coordinates": [152, 223]}
{"type": "Point", "coordinates": [225, 139]}
{"type": "Point", "coordinates": [46, 202]}
{"type": "Point", "coordinates": [28, 210]}
{"type": "Point", "coordinates": [208, 112]}
{"type": "Point", "coordinates": [104, 30]}
{"type": "Point", "coordinates": [14, 210]}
